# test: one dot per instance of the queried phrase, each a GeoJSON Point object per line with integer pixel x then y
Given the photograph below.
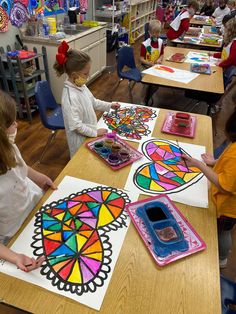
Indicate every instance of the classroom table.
{"type": "Point", "coordinates": [204, 83]}
{"type": "Point", "coordinates": [197, 22]}
{"type": "Point", "coordinates": [193, 41]}
{"type": "Point", "coordinates": [190, 285]}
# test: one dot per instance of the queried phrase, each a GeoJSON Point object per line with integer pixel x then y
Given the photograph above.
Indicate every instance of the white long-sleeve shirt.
{"type": "Point", "coordinates": [18, 196]}
{"type": "Point", "coordinates": [78, 108]}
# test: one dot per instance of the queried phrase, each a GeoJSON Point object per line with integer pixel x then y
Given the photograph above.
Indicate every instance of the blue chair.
{"type": "Point", "coordinates": [228, 296]}
{"type": "Point", "coordinates": [53, 120]}
{"type": "Point", "coordinates": [125, 58]}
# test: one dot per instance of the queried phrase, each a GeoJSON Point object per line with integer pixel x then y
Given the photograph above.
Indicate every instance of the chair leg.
{"type": "Point", "coordinates": [50, 139]}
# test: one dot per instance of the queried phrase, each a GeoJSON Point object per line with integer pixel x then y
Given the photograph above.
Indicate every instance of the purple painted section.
{"type": "Point", "coordinates": [97, 195]}
{"type": "Point", "coordinates": [71, 204]}
{"type": "Point", "coordinates": [160, 169]}
{"type": "Point", "coordinates": [92, 264]}
{"type": "Point", "coordinates": [170, 175]}
{"type": "Point", "coordinates": [86, 273]}
{"type": "Point", "coordinates": [86, 214]}
{"type": "Point", "coordinates": [89, 221]}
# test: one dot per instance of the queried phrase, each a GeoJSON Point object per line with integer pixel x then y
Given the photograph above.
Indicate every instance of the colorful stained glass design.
{"type": "Point", "coordinates": [72, 233]}
{"type": "Point", "coordinates": [130, 122]}
{"type": "Point", "coordinates": [167, 173]}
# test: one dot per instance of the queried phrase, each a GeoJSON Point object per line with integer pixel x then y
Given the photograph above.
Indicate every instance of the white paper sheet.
{"type": "Point", "coordinates": [200, 57]}
{"type": "Point", "coordinates": [172, 74]}
{"type": "Point", "coordinates": [192, 192]}
{"type": "Point", "coordinates": [129, 124]}
{"type": "Point", "coordinates": [94, 300]}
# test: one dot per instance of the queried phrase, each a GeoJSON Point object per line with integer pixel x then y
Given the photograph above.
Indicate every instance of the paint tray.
{"type": "Point", "coordinates": [178, 244]}
{"type": "Point", "coordinates": [176, 124]}
{"type": "Point", "coordinates": [200, 68]}
{"type": "Point", "coordinates": [114, 151]}
{"type": "Point", "coordinates": [176, 57]}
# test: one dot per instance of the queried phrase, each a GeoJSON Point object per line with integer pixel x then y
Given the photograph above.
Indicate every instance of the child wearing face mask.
{"type": "Point", "coordinates": [180, 25]}
{"type": "Point", "coordinates": [20, 186]}
{"type": "Point", "coordinates": [220, 12]}
{"type": "Point", "coordinates": [78, 103]}
{"type": "Point", "coordinates": [152, 49]}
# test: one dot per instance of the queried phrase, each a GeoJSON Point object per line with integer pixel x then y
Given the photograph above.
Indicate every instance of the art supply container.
{"type": "Point", "coordinates": [111, 135]}
{"type": "Point", "coordinates": [52, 25]}
{"type": "Point", "coordinates": [124, 154]}
{"type": "Point", "coordinates": [105, 152]}
{"type": "Point", "coordinates": [108, 142]}
{"type": "Point", "coordinates": [113, 159]}
{"type": "Point", "coordinates": [115, 148]}
{"type": "Point", "coordinates": [98, 146]}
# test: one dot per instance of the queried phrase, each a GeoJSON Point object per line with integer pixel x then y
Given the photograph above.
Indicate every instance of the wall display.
{"type": "Point", "coordinates": [19, 14]}
{"type": "Point", "coordinates": [3, 21]}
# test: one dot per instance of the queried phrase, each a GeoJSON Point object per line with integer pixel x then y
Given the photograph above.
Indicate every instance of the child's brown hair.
{"type": "Point", "coordinates": [230, 31]}
{"type": "Point", "coordinates": [75, 62]}
{"type": "Point", "coordinates": [7, 117]}
{"type": "Point", "coordinates": [193, 4]}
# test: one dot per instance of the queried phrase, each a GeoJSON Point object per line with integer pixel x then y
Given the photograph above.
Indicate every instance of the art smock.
{"type": "Point", "coordinates": [228, 55]}
{"type": "Point", "coordinates": [18, 196]}
{"type": "Point", "coordinates": [179, 25]}
{"type": "Point", "coordinates": [78, 108]}
{"type": "Point", "coordinates": [226, 170]}
{"type": "Point", "coordinates": [151, 50]}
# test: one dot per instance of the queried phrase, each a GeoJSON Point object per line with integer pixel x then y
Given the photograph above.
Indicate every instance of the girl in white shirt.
{"type": "Point", "coordinates": [20, 186]}
{"type": "Point", "coordinates": [78, 103]}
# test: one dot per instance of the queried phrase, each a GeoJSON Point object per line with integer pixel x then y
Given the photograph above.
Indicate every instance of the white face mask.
{"type": "Point", "coordinates": [12, 137]}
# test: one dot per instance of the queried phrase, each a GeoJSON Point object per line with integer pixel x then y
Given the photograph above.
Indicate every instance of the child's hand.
{"type": "Point", "coordinates": [158, 61]}
{"type": "Point", "coordinates": [44, 182]}
{"type": "Point", "coordinates": [26, 263]}
{"type": "Point", "coordinates": [218, 63]}
{"type": "Point", "coordinates": [115, 106]}
{"type": "Point", "coordinates": [101, 132]}
{"type": "Point", "coordinates": [208, 159]}
{"type": "Point", "coordinates": [191, 162]}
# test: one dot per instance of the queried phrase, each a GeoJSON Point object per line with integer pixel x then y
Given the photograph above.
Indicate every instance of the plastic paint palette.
{"type": "Point", "coordinates": [179, 123]}
{"type": "Point", "coordinates": [200, 68]}
{"type": "Point", "coordinates": [114, 151]}
{"type": "Point", "coordinates": [164, 230]}
{"type": "Point", "coordinates": [176, 57]}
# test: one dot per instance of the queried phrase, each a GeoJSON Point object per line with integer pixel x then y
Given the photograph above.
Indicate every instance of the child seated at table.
{"type": "Point", "coordinates": [223, 189]}
{"type": "Point", "coordinates": [180, 25]}
{"type": "Point", "coordinates": [228, 54]}
{"type": "Point", "coordinates": [20, 186]}
{"type": "Point", "coordinates": [232, 7]}
{"type": "Point", "coordinates": [78, 103]}
{"type": "Point", "coordinates": [152, 49]}
{"type": "Point", "coordinates": [220, 12]}
{"type": "Point", "coordinates": [208, 8]}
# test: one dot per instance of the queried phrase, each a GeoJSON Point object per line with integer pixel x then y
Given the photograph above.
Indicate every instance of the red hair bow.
{"type": "Point", "coordinates": [61, 55]}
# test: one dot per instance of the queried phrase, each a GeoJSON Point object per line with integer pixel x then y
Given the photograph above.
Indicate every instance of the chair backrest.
{"type": "Point", "coordinates": [45, 100]}
{"type": "Point", "coordinates": [228, 295]}
{"type": "Point", "coordinates": [125, 58]}
{"type": "Point", "coordinates": [146, 31]}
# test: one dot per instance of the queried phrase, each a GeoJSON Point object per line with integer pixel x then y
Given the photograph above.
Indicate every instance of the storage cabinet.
{"type": "Point", "coordinates": [141, 12]}
{"type": "Point", "coordinates": [93, 43]}
{"type": "Point", "coordinates": [19, 77]}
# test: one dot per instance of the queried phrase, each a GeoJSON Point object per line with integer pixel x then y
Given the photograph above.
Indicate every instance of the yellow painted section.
{"type": "Point", "coordinates": [156, 187]}
{"type": "Point", "coordinates": [189, 176]}
{"type": "Point", "coordinates": [80, 241]}
{"type": "Point", "coordinates": [76, 274]}
{"type": "Point", "coordinates": [105, 216]}
{"type": "Point", "coordinates": [46, 232]}
{"type": "Point", "coordinates": [60, 216]}
{"type": "Point", "coordinates": [159, 143]}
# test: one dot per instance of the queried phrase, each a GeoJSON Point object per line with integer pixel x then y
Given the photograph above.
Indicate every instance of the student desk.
{"type": "Point", "coordinates": [137, 286]}
{"type": "Point", "coordinates": [208, 83]}
{"type": "Point", "coordinates": [197, 22]}
{"type": "Point", "coordinates": [194, 42]}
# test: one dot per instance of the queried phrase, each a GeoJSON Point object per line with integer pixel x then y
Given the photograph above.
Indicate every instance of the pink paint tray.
{"type": "Point", "coordinates": [176, 125]}
{"type": "Point", "coordinates": [114, 151]}
{"type": "Point", "coordinates": [194, 241]}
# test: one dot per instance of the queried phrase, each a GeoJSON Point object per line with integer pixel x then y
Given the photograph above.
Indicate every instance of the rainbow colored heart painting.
{"type": "Point", "coordinates": [163, 171]}
{"type": "Point", "coordinates": [80, 235]}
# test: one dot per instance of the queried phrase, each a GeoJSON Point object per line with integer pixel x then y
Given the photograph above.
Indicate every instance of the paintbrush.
{"type": "Point", "coordinates": [181, 151]}
{"type": "Point", "coordinates": [51, 257]}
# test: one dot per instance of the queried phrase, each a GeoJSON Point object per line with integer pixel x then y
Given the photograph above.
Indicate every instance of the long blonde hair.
{"type": "Point", "coordinates": [7, 117]}
{"type": "Point", "coordinates": [230, 31]}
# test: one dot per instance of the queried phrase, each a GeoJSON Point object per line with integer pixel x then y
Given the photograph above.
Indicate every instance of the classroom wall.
{"type": "Point", "coordinates": [9, 38]}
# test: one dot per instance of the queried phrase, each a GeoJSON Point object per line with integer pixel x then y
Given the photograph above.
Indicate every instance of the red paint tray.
{"type": "Point", "coordinates": [169, 126]}
{"type": "Point", "coordinates": [115, 152]}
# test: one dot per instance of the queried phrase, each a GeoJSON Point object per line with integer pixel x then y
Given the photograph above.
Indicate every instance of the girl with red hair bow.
{"type": "Point", "coordinates": [78, 103]}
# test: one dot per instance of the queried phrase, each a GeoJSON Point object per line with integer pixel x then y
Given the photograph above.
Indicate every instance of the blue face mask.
{"type": "Point", "coordinates": [154, 39]}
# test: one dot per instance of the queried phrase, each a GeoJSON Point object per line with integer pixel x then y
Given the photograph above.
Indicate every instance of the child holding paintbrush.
{"type": "Point", "coordinates": [222, 174]}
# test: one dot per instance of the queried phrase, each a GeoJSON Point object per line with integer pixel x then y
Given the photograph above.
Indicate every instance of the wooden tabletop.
{"type": "Point", "coordinates": [208, 83]}
{"type": "Point", "coordinates": [195, 21]}
{"type": "Point", "coordinates": [190, 285]}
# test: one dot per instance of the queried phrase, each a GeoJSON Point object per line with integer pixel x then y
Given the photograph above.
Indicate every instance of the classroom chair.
{"type": "Point", "coordinates": [228, 296]}
{"type": "Point", "coordinates": [53, 120]}
{"type": "Point", "coordinates": [125, 58]}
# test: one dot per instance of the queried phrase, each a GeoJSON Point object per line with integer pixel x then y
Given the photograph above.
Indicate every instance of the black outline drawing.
{"type": "Point", "coordinates": [102, 274]}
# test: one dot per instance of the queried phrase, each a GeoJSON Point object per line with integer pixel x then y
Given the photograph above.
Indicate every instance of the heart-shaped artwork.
{"type": "Point", "coordinates": [130, 122]}
{"type": "Point", "coordinates": [167, 173]}
{"type": "Point", "coordinates": [72, 234]}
